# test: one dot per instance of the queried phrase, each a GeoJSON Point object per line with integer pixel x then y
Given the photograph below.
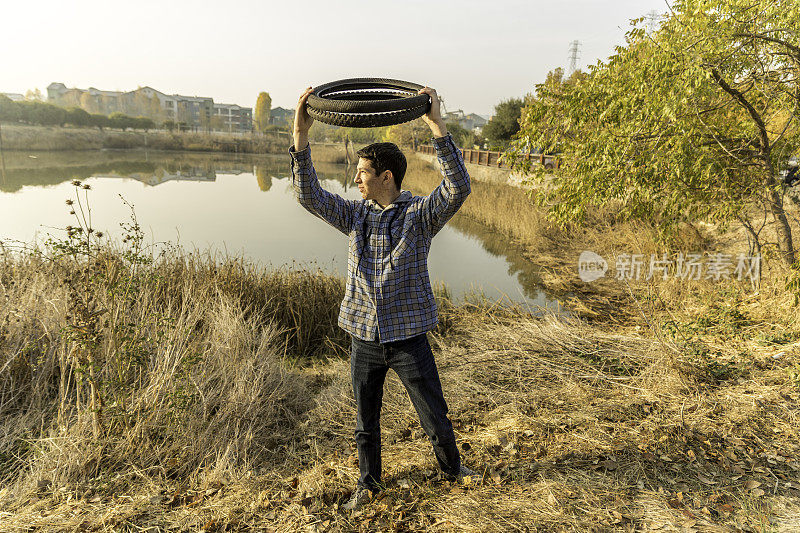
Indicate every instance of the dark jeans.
{"type": "Point", "coordinates": [412, 360]}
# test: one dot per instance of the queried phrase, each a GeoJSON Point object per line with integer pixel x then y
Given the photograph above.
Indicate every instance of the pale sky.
{"type": "Point", "coordinates": [475, 53]}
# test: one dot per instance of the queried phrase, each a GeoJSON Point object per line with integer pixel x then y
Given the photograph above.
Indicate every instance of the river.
{"type": "Point", "coordinates": [236, 205]}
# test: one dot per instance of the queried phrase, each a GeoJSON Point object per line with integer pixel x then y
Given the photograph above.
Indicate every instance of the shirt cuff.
{"type": "Point", "coordinates": [301, 157]}
{"type": "Point", "coordinates": [443, 143]}
{"type": "Point", "coordinates": [300, 153]}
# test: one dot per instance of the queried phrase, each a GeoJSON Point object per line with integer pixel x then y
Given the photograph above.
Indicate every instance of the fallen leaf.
{"type": "Point", "coordinates": [705, 480]}
{"type": "Point", "coordinates": [751, 484]}
{"type": "Point", "coordinates": [757, 493]}
{"type": "Point", "coordinates": [495, 475]}
{"type": "Point", "coordinates": [725, 508]}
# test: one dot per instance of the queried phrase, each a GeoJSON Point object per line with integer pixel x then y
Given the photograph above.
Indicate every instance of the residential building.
{"type": "Point", "coordinates": [468, 122]}
{"type": "Point", "coordinates": [233, 118]}
{"type": "Point", "coordinates": [14, 97]}
{"type": "Point", "coordinates": [193, 112]}
{"type": "Point", "coordinates": [280, 116]}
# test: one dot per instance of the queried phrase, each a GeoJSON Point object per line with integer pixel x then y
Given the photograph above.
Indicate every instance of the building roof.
{"type": "Point", "coordinates": [15, 97]}
{"type": "Point", "coordinates": [229, 106]}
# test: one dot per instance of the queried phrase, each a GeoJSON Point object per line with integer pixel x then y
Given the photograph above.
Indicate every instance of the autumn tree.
{"type": "Point", "coordinates": [693, 121]}
{"type": "Point", "coordinates": [505, 122]}
{"type": "Point", "coordinates": [34, 95]}
{"type": "Point", "coordinates": [261, 113]}
{"type": "Point", "coordinates": [406, 134]}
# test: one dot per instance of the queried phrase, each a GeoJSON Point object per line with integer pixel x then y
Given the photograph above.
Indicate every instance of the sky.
{"type": "Point", "coordinates": [474, 53]}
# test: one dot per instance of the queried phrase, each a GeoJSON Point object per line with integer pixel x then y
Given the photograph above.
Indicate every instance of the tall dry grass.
{"type": "Point", "coordinates": [208, 424]}
{"type": "Point", "coordinates": [188, 368]}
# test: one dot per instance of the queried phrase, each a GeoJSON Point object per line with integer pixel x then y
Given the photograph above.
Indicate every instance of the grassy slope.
{"type": "Point", "coordinates": [667, 406]}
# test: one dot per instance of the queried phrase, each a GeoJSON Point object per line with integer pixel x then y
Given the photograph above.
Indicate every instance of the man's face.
{"type": "Point", "coordinates": [369, 183]}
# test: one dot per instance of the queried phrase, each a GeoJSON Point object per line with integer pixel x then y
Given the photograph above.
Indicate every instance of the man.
{"type": "Point", "coordinates": [388, 305]}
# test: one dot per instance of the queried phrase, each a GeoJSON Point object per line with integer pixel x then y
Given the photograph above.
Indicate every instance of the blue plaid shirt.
{"type": "Point", "coordinates": [388, 295]}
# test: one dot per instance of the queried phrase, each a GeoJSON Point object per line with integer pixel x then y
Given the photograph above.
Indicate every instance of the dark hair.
{"type": "Point", "coordinates": [385, 156]}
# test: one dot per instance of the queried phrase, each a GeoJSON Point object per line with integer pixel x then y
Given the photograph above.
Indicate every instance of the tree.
{"type": "Point", "coordinates": [505, 122]}
{"type": "Point", "coordinates": [461, 135]}
{"type": "Point", "coordinates": [122, 121]}
{"type": "Point", "coordinates": [261, 114]}
{"type": "Point", "coordinates": [9, 110]}
{"type": "Point", "coordinates": [99, 121]}
{"type": "Point", "coordinates": [34, 95]}
{"type": "Point", "coordinates": [691, 122]}
{"type": "Point", "coordinates": [142, 123]}
{"type": "Point", "coordinates": [218, 123]}
{"type": "Point", "coordinates": [77, 117]}
{"type": "Point", "coordinates": [35, 112]}
{"type": "Point", "coordinates": [405, 134]}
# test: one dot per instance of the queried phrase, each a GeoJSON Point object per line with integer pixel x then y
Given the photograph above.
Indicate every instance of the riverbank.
{"type": "Point", "coordinates": [53, 138]}
{"type": "Point", "coordinates": [222, 402]}
{"type": "Point", "coordinates": [222, 398]}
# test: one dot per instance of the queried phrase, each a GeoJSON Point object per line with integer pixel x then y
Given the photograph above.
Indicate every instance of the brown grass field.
{"type": "Point", "coordinates": [168, 391]}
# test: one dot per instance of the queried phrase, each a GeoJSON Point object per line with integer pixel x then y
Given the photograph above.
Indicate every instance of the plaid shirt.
{"type": "Point", "coordinates": [388, 295]}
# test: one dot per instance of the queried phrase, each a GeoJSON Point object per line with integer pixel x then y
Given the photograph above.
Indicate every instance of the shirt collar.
{"type": "Point", "coordinates": [405, 197]}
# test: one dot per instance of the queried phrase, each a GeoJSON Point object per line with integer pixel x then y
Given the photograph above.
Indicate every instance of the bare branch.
{"type": "Point", "coordinates": [739, 97]}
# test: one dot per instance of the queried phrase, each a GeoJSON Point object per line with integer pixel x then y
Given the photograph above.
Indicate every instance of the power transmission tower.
{"type": "Point", "coordinates": [573, 57]}
{"type": "Point", "coordinates": [652, 21]}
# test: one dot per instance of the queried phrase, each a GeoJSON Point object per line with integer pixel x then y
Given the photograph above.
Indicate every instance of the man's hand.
{"type": "Point", "coordinates": [433, 118]}
{"type": "Point", "coordinates": [302, 121]}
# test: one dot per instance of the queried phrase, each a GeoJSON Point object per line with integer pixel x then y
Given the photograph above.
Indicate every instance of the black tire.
{"type": "Point", "coordinates": [367, 102]}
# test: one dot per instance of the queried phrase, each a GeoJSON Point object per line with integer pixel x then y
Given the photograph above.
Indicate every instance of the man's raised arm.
{"type": "Point", "coordinates": [330, 207]}
{"type": "Point", "coordinates": [441, 204]}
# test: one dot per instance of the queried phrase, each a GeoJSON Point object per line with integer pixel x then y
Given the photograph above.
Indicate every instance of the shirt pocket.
{"type": "Point", "coordinates": [400, 240]}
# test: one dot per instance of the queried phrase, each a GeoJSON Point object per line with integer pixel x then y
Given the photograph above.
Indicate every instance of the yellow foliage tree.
{"type": "Point", "coordinates": [261, 115]}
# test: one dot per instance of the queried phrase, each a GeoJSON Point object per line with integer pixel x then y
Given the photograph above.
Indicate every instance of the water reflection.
{"type": "Point", "coordinates": [206, 200]}
{"type": "Point", "coordinates": [53, 168]}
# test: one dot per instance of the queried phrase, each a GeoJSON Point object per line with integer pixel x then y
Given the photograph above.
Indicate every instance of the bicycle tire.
{"type": "Point", "coordinates": [368, 120]}
{"type": "Point", "coordinates": [367, 102]}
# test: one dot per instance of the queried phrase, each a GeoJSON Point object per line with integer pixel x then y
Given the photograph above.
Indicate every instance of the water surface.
{"type": "Point", "coordinates": [236, 205]}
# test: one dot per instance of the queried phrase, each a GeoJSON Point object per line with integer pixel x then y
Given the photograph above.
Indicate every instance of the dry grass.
{"type": "Point", "coordinates": [575, 428]}
{"type": "Point", "coordinates": [674, 411]}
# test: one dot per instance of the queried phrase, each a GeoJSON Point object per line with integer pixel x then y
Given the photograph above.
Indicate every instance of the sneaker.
{"type": "Point", "coordinates": [361, 496]}
{"type": "Point", "coordinates": [467, 476]}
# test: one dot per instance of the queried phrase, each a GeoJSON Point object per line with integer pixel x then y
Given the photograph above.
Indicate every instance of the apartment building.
{"type": "Point", "coordinates": [233, 118]}
{"type": "Point", "coordinates": [194, 112]}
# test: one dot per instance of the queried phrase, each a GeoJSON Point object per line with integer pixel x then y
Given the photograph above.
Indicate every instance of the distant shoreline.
{"type": "Point", "coordinates": [53, 138]}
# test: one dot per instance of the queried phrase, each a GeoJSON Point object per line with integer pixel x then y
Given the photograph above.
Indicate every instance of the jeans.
{"type": "Point", "coordinates": [412, 360]}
